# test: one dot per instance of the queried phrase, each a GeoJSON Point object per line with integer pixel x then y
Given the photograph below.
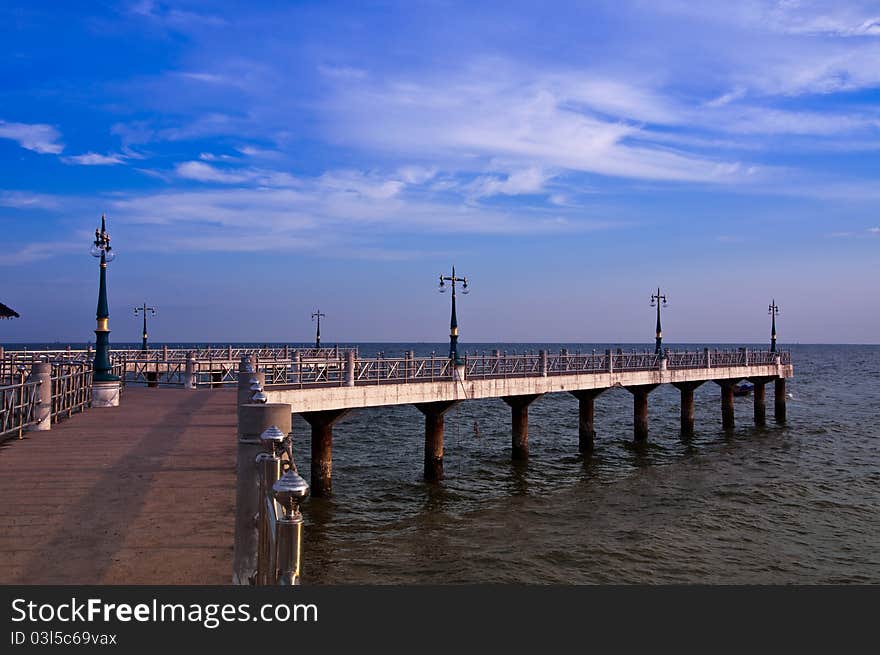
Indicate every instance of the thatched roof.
{"type": "Point", "coordinates": [7, 312]}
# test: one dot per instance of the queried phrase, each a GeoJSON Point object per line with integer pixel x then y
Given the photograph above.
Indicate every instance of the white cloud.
{"type": "Point", "coordinates": [196, 170]}
{"type": "Point", "coordinates": [202, 172]}
{"type": "Point", "coordinates": [874, 230]}
{"type": "Point", "coordinates": [33, 252]}
{"type": "Point", "coordinates": [727, 98]}
{"type": "Point", "coordinates": [95, 159]}
{"type": "Point", "coordinates": [526, 181]}
{"type": "Point", "coordinates": [27, 200]}
{"type": "Point", "coordinates": [38, 137]}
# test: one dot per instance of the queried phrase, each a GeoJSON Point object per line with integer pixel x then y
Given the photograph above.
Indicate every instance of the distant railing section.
{"type": "Point", "coordinates": [383, 370]}
{"type": "Point", "coordinates": [311, 367]}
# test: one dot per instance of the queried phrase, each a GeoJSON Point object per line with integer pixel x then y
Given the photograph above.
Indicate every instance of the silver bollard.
{"type": "Point", "coordinates": [269, 469]}
{"type": "Point", "coordinates": [289, 492]}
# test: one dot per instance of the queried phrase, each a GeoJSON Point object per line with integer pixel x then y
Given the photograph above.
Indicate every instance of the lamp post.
{"type": "Point", "coordinates": [658, 300]}
{"type": "Point", "coordinates": [453, 321]}
{"type": "Point", "coordinates": [143, 309]}
{"type": "Point", "coordinates": [105, 389]}
{"type": "Point", "coordinates": [318, 315]}
{"type": "Point", "coordinates": [773, 310]}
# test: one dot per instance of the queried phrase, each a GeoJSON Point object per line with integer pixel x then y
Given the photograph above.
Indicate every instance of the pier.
{"type": "Point", "coordinates": [126, 471]}
{"type": "Point", "coordinates": [325, 394]}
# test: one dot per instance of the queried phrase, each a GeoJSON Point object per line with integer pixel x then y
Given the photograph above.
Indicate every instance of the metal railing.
{"type": "Point", "coordinates": [71, 390]}
{"type": "Point", "coordinates": [381, 370]}
{"type": "Point", "coordinates": [18, 407]}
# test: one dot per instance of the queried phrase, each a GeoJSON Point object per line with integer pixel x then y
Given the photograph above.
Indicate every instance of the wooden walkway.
{"type": "Point", "coordinates": [143, 493]}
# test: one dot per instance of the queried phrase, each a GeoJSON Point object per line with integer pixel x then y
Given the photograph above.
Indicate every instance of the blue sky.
{"type": "Point", "coordinates": [259, 160]}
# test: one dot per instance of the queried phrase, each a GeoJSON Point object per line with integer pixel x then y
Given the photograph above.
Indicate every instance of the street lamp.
{"type": "Point", "coordinates": [453, 322]}
{"type": "Point", "coordinates": [773, 310]}
{"type": "Point", "coordinates": [658, 300]}
{"type": "Point", "coordinates": [318, 315]}
{"type": "Point", "coordinates": [144, 310]}
{"type": "Point", "coordinates": [101, 249]}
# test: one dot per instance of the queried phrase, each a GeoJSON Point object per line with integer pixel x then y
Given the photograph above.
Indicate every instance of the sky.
{"type": "Point", "coordinates": [258, 161]}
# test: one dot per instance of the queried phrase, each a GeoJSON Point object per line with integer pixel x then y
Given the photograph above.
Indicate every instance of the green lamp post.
{"type": "Point", "coordinates": [102, 369]}
{"type": "Point", "coordinates": [774, 310]}
{"type": "Point", "coordinates": [453, 321]}
{"type": "Point", "coordinates": [658, 300]}
{"type": "Point", "coordinates": [318, 314]}
{"type": "Point", "coordinates": [143, 309]}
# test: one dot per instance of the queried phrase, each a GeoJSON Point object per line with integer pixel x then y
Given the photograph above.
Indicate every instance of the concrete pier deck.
{"type": "Point", "coordinates": [143, 493]}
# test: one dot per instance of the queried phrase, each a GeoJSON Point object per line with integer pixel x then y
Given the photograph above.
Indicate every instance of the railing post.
{"type": "Point", "coordinates": [746, 355]}
{"type": "Point", "coordinates": [42, 372]}
{"type": "Point", "coordinates": [610, 357]}
{"type": "Point", "coordinates": [289, 492]}
{"type": "Point", "coordinates": [349, 369]}
{"type": "Point", "coordinates": [543, 355]}
{"type": "Point", "coordinates": [708, 357]}
{"type": "Point", "coordinates": [268, 465]}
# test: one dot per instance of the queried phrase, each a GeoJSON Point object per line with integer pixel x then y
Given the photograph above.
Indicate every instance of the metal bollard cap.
{"type": "Point", "coordinates": [272, 435]}
{"type": "Point", "coordinates": [290, 491]}
{"type": "Point", "coordinates": [259, 397]}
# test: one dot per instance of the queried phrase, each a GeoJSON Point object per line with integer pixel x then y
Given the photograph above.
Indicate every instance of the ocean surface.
{"type": "Point", "coordinates": [794, 503]}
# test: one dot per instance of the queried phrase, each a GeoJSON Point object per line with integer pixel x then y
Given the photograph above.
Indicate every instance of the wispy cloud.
{"type": "Point", "coordinates": [95, 159]}
{"type": "Point", "coordinates": [33, 252]}
{"type": "Point", "coordinates": [41, 138]}
{"type": "Point", "coordinates": [28, 200]}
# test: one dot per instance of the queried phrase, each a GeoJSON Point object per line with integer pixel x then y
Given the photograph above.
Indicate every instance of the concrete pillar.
{"type": "Point", "coordinates": [727, 415]}
{"type": "Point", "coordinates": [189, 381]}
{"type": "Point", "coordinates": [687, 406]}
{"type": "Point", "coordinates": [243, 395]}
{"type": "Point", "coordinates": [640, 410]}
{"type": "Point", "coordinates": [519, 414]}
{"type": "Point", "coordinates": [322, 448]}
{"type": "Point", "coordinates": [434, 424]}
{"type": "Point", "coordinates": [349, 369]}
{"type": "Point", "coordinates": [252, 421]}
{"type": "Point", "coordinates": [42, 372]}
{"type": "Point", "coordinates": [779, 400]}
{"type": "Point", "coordinates": [760, 407]}
{"type": "Point", "coordinates": [586, 426]}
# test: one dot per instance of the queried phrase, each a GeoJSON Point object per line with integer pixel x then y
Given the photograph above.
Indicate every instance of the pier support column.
{"type": "Point", "coordinates": [434, 423]}
{"type": "Point", "coordinates": [687, 406]}
{"type": "Point", "coordinates": [253, 419]}
{"type": "Point", "coordinates": [322, 448]}
{"type": "Point", "coordinates": [727, 416]}
{"type": "Point", "coordinates": [640, 410]}
{"type": "Point", "coordinates": [519, 413]}
{"type": "Point", "coordinates": [586, 426]}
{"type": "Point", "coordinates": [759, 397]}
{"type": "Point", "coordinates": [779, 399]}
